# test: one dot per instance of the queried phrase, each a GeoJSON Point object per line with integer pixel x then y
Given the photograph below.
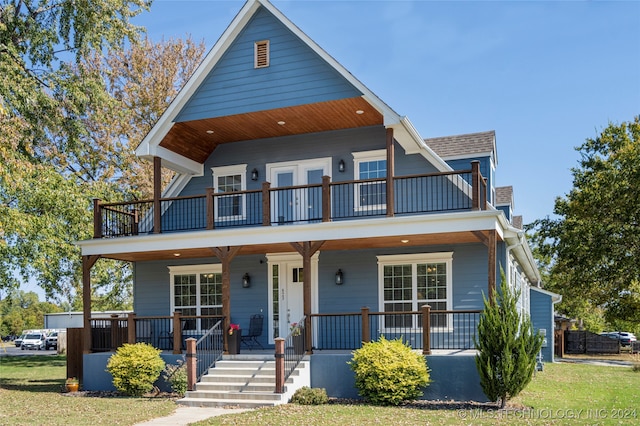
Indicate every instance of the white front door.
{"type": "Point", "coordinates": [292, 308]}
{"type": "Point", "coordinates": [297, 204]}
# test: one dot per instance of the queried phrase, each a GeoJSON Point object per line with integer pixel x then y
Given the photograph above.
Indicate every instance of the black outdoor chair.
{"type": "Point", "coordinates": [250, 339]}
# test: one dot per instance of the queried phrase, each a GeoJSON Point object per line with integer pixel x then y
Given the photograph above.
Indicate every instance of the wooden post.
{"type": "Point", "coordinates": [426, 329]}
{"type": "Point", "coordinates": [97, 218]}
{"type": "Point", "coordinates": [491, 244]}
{"type": "Point", "coordinates": [87, 264]}
{"type": "Point", "coordinates": [266, 204]}
{"type": "Point", "coordinates": [326, 199]}
{"type": "Point", "coordinates": [366, 335]}
{"type": "Point", "coordinates": [279, 355]}
{"type": "Point", "coordinates": [210, 212]}
{"type": "Point", "coordinates": [226, 254]}
{"type": "Point", "coordinates": [390, 173]}
{"type": "Point", "coordinates": [191, 363]}
{"type": "Point", "coordinates": [475, 185]}
{"type": "Point", "coordinates": [177, 333]}
{"type": "Point", "coordinates": [131, 328]}
{"type": "Point", "coordinates": [114, 331]}
{"type": "Point", "coordinates": [157, 193]}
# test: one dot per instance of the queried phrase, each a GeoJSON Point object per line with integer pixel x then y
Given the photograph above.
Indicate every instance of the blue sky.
{"type": "Point", "coordinates": [544, 75]}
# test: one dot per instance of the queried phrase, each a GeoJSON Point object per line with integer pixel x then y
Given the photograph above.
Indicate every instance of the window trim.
{"type": "Point", "coordinates": [215, 268]}
{"type": "Point", "coordinates": [414, 259]}
{"type": "Point", "coordinates": [259, 62]}
{"type": "Point", "coordinates": [234, 170]}
{"type": "Point", "coordinates": [365, 157]}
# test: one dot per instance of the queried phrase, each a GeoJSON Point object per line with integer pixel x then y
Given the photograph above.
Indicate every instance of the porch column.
{"type": "Point", "coordinates": [157, 193]}
{"type": "Point", "coordinates": [226, 254]}
{"type": "Point", "coordinates": [306, 250]}
{"type": "Point", "coordinates": [491, 245]}
{"type": "Point", "coordinates": [87, 264]}
{"type": "Point", "coordinates": [390, 173]}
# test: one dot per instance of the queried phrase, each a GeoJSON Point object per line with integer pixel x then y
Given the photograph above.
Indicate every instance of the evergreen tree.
{"type": "Point", "coordinates": [507, 346]}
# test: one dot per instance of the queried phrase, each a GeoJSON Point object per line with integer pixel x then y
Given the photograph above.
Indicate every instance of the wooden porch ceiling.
{"type": "Point", "coordinates": [329, 245]}
{"type": "Point", "coordinates": [194, 140]}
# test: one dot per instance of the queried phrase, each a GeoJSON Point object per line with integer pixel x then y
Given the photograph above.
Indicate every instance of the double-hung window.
{"type": "Point", "coordinates": [197, 290]}
{"type": "Point", "coordinates": [370, 165]}
{"type": "Point", "coordinates": [229, 180]}
{"type": "Point", "coordinates": [408, 282]}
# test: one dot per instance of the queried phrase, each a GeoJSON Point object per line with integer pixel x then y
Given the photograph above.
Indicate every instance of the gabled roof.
{"type": "Point", "coordinates": [504, 196]}
{"type": "Point", "coordinates": [465, 146]}
{"type": "Point", "coordinates": [161, 140]}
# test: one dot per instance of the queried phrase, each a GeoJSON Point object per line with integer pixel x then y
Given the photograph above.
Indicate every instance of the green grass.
{"type": "Point", "coordinates": [31, 393]}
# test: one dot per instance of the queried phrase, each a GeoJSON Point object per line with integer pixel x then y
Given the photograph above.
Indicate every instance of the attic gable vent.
{"type": "Point", "coordinates": [261, 49]}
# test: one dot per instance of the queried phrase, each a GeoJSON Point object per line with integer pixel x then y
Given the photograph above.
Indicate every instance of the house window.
{"type": "Point", "coordinates": [408, 282]}
{"type": "Point", "coordinates": [370, 165]}
{"type": "Point", "coordinates": [197, 290]}
{"type": "Point", "coordinates": [261, 54]}
{"type": "Point", "coordinates": [229, 180]}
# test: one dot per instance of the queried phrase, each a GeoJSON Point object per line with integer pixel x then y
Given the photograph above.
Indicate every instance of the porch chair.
{"type": "Point", "coordinates": [250, 339]}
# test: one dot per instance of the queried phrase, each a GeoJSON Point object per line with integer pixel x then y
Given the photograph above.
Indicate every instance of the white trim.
{"type": "Point", "coordinates": [366, 157]}
{"type": "Point", "coordinates": [413, 260]}
{"type": "Point", "coordinates": [215, 268]}
{"type": "Point", "coordinates": [234, 170]}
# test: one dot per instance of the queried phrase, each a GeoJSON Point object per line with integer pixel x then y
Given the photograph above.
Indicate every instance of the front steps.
{"type": "Point", "coordinates": [245, 381]}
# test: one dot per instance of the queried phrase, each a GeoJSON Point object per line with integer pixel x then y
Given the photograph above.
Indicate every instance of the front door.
{"type": "Point", "coordinates": [292, 308]}
{"type": "Point", "coordinates": [290, 205]}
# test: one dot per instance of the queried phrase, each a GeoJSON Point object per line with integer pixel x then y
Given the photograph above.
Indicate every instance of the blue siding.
{"type": "Point", "coordinates": [296, 75]}
{"type": "Point", "coordinates": [542, 318]}
{"type": "Point", "coordinates": [485, 169]}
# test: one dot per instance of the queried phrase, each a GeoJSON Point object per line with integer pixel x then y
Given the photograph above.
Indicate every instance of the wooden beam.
{"type": "Point", "coordinates": [482, 237]}
{"type": "Point", "coordinates": [226, 254]}
{"type": "Point", "coordinates": [87, 264]}
{"type": "Point", "coordinates": [157, 193]}
{"type": "Point", "coordinates": [492, 243]}
{"type": "Point", "coordinates": [306, 250]}
{"type": "Point", "coordinates": [390, 173]}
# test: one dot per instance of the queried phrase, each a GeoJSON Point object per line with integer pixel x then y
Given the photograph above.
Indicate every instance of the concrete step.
{"type": "Point", "coordinates": [241, 403]}
{"type": "Point", "coordinates": [235, 387]}
{"type": "Point", "coordinates": [262, 396]}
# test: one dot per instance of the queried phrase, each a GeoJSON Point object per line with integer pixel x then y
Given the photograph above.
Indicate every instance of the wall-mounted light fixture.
{"type": "Point", "coordinates": [341, 166]}
{"type": "Point", "coordinates": [246, 280]}
{"type": "Point", "coordinates": [254, 174]}
{"type": "Point", "coordinates": [339, 277]}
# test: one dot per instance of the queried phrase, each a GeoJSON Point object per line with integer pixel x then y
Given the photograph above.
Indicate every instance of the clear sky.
{"type": "Point", "coordinates": [544, 75]}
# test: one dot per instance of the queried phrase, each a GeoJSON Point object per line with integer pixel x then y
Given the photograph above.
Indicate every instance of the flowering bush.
{"type": "Point", "coordinates": [233, 328]}
{"type": "Point", "coordinates": [294, 329]}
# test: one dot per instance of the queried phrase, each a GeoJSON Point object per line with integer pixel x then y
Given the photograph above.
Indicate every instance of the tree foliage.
{"type": "Point", "coordinates": [21, 311]}
{"type": "Point", "coordinates": [507, 346]}
{"type": "Point", "coordinates": [593, 246]}
{"type": "Point", "coordinates": [74, 103]}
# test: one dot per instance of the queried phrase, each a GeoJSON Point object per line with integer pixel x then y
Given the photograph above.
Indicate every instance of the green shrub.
{"type": "Point", "coordinates": [176, 376]}
{"type": "Point", "coordinates": [135, 368]}
{"type": "Point", "coordinates": [310, 396]}
{"type": "Point", "coordinates": [388, 372]}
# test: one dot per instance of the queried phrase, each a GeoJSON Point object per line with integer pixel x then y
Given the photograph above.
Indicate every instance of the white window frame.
{"type": "Point", "coordinates": [234, 170]}
{"type": "Point", "coordinates": [365, 157]}
{"type": "Point", "coordinates": [197, 270]}
{"type": "Point", "coordinates": [414, 260]}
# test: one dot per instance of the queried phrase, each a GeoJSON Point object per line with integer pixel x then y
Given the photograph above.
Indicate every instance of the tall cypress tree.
{"type": "Point", "coordinates": [507, 346]}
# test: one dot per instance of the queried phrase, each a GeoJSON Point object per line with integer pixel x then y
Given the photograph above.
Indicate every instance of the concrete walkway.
{"type": "Point", "coordinates": [185, 415]}
{"type": "Point", "coordinates": [596, 361]}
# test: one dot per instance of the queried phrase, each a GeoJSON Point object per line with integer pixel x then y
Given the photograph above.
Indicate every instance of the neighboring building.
{"type": "Point", "coordinates": [302, 196]}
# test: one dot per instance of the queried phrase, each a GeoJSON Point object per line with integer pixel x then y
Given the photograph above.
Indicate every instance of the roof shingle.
{"type": "Point", "coordinates": [461, 145]}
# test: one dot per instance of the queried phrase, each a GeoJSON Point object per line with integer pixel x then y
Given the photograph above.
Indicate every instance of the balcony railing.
{"type": "Point", "coordinates": [322, 202]}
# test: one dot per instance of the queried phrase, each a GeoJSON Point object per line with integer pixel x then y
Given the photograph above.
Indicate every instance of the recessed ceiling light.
{"type": "Point", "coordinates": [282, 123]}
{"type": "Point", "coordinates": [404, 241]}
{"type": "Point", "coordinates": [176, 254]}
{"type": "Point", "coordinates": [359, 111]}
{"type": "Point", "coordinates": [210, 132]}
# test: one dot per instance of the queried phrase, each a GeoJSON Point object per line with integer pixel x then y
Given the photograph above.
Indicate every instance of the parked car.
{"type": "Point", "coordinates": [625, 338]}
{"type": "Point", "coordinates": [52, 341]}
{"type": "Point", "coordinates": [18, 341]}
{"type": "Point", "coordinates": [34, 341]}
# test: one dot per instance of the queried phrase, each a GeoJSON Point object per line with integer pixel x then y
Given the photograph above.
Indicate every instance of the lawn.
{"type": "Point", "coordinates": [31, 394]}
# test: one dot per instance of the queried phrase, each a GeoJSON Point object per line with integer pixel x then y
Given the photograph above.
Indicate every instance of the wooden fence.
{"type": "Point", "coordinates": [585, 342]}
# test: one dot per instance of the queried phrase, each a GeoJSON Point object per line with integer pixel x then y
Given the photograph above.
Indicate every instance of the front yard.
{"type": "Point", "coordinates": [563, 393]}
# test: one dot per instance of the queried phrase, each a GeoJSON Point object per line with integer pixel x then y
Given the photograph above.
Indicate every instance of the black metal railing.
{"type": "Point", "coordinates": [209, 349]}
{"type": "Point", "coordinates": [108, 334]}
{"type": "Point", "coordinates": [294, 348]}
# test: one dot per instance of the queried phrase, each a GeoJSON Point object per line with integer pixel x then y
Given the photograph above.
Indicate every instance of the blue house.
{"type": "Point", "coordinates": [301, 197]}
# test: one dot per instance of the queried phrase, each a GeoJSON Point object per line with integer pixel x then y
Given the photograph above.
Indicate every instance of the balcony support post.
{"type": "Point", "coordinates": [366, 336]}
{"type": "Point", "coordinates": [157, 193]}
{"type": "Point", "coordinates": [210, 213]}
{"type": "Point", "coordinates": [87, 264]}
{"type": "Point", "coordinates": [226, 254]}
{"type": "Point", "coordinates": [475, 185]}
{"type": "Point", "coordinates": [390, 173]}
{"type": "Point", "coordinates": [266, 204]}
{"type": "Point", "coordinates": [131, 328]}
{"type": "Point", "coordinates": [97, 218]}
{"type": "Point", "coordinates": [491, 245]}
{"type": "Point", "coordinates": [426, 329]}
{"type": "Point", "coordinates": [326, 199]}
{"type": "Point", "coordinates": [306, 250]}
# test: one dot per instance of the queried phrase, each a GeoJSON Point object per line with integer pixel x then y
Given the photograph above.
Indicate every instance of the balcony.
{"type": "Point", "coordinates": [323, 202]}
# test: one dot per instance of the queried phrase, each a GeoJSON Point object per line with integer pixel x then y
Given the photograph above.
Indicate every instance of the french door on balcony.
{"type": "Point", "coordinates": [291, 205]}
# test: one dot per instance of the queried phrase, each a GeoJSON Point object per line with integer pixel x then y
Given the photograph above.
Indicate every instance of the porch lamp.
{"type": "Point", "coordinates": [339, 277]}
{"type": "Point", "coordinates": [341, 166]}
{"type": "Point", "coordinates": [254, 174]}
{"type": "Point", "coordinates": [246, 280]}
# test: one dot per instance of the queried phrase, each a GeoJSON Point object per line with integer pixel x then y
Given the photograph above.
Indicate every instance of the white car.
{"type": "Point", "coordinates": [34, 341]}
